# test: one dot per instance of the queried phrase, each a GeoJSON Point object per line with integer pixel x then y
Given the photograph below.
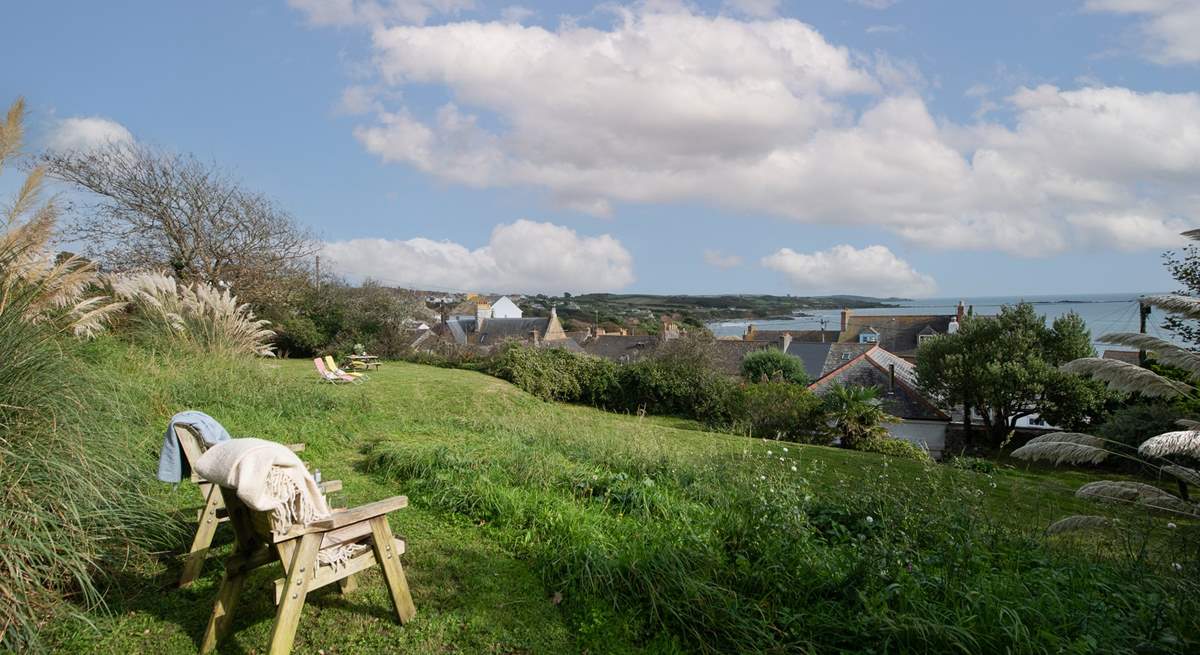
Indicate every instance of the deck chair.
{"type": "Point", "coordinates": [329, 376]}
{"type": "Point", "coordinates": [331, 365]}
{"type": "Point", "coordinates": [297, 550]}
{"type": "Point", "coordinates": [213, 513]}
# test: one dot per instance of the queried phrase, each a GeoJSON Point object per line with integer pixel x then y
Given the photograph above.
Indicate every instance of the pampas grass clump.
{"type": "Point", "coordinates": [198, 314]}
{"type": "Point", "coordinates": [1184, 442]}
{"type": "Point", "coordinates": [1077, 523]}
{"type": "Point", "coordinates": [1064, 447]}
{"type": "Point", "coordinates": [1134, 492]}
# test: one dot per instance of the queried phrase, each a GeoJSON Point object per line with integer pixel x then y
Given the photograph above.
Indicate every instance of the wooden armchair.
{"type": "Point", "coordinates": [213, 513]}
{"type": "Point", "coordinates": [297, 550]}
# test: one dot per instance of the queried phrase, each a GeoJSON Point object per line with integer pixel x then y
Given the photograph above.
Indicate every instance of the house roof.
{"type": "Point", "coordinates": [842, 353]}
{"type": "Point", "coordinates": [728, 355]}
{"type": "Point", "coordinates": [1127, 356]}
{"type": "Point", "coordinates": [495, 330]}
{"type": "Point", "coordinates": [813, 355]}
{"type": "Point", "coordinates": [620, 347]}
{"type": "Point", "coordinates": [873, 369]}
{"type": "Point", "coordinates": [899, 334]}
{"type": "Point", "coordinates": [807, 336]}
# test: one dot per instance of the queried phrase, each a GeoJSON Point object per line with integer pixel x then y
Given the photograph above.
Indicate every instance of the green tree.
{"type": "Point", "coordinates": [1005, 368]}
{"type": "Point", "coordinates": [856, 414]}
{"type": "Point", "coordinates": [773, 364]}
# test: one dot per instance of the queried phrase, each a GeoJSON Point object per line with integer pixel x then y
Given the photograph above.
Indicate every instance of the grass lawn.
{"type": "Point", "coordinates": [503, 491]}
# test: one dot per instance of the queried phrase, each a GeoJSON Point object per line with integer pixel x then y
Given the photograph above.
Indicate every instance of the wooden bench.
{"type": "Point", "coordinates": [213, 512]}
{"type": "Point", "coordinates": [297, 551]}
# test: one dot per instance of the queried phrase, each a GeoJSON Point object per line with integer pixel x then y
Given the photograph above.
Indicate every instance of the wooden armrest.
{"type": "Point", "coordinates": [330, 486]}
{"type": "Point", "coordinates": [361, 513]}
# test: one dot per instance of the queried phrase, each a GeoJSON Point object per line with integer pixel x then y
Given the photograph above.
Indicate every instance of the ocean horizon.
{"type": "Point", "coordinates": [1104, 313]}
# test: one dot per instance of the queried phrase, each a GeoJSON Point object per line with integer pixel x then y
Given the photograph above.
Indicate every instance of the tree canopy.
{"type": "Point", "coordinates": [1005, 368]}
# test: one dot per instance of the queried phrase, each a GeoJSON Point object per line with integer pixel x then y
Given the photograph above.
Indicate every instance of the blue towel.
{"type": "Point", "coordinates": [172, 465]}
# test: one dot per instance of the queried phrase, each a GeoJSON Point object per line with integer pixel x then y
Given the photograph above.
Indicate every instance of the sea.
{"type": "Point", "coordinates": [1104, 313]}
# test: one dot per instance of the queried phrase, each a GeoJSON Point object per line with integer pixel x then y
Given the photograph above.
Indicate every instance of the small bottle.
{"type": "Point", "coordinates": [317, 475]}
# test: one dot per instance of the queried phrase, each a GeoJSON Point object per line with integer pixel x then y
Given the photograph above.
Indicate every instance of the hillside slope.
{"type": "Point", "coordinates": [547, 528]}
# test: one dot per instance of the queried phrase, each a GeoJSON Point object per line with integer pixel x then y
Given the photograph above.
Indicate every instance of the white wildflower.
{"type": "Point", "coordinates": [793, 469]}
{"type": "Point", "coordinates": [1177, 566]}
{"type": "Point", "coordinates": [870, 520]}
{"type": "Point", "coordinates": [1172, 526]}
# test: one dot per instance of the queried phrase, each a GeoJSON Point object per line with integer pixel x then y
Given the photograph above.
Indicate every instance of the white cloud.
{"type": "Point", "coordinates": [1169, 27]}
{"type": "Point", "coordinates": [376, 13]}
{"type": "Point", "coordinates": [1131, 232]}
{"type": "Point", "coordinates": [720, 260]}
{"type": "Point", "coordinates": [524, 256]}
{"type": "Point", "coordinates": [668, 106]}
{"type": "Point", "coordinates": [873, 270]}
{"type": "Point", "coordinates": [85, 133]}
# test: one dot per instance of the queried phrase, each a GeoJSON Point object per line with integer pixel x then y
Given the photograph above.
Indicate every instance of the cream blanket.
{"type": "Point", "coordinates": [269, 477]}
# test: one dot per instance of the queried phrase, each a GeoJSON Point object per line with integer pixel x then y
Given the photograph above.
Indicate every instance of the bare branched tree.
{"type": "Point", "coordinates": [156, 210]}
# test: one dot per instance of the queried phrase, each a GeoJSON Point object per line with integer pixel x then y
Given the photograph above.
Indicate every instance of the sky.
{"type": "Point", "coordinates": [917, 148]}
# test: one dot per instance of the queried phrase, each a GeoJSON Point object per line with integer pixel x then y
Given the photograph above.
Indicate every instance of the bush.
{"type": "Point", "coordinates": [773, 365]}
{"type": "Point", "coordinates": [976, 464]}
{"type": "Point", "coordinates": [780, 410]}
{"type": "Point", "coordinates": [548, 373]}
{"type": "Point", "coordinates": [893, 447]}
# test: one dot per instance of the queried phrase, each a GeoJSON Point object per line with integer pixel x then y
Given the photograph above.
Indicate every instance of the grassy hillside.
{"type": "Point", "coordinates": [548, 528]}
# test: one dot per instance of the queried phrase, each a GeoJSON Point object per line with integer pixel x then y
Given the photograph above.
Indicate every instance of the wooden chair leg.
{"type": "Point", "coordinates": [348, 584]}
{"type": "Point", "coordinates": [207, 527]}
{"type": "Point", "coordinates": [222, 614]}
{"type": "Point", "coordinates": [393, 572]}
{"type": "Point", "coordinates": [299, 576]}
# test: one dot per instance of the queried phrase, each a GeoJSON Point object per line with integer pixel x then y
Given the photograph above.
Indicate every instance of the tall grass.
{"type": "Point", "coordinates": [773, 551]}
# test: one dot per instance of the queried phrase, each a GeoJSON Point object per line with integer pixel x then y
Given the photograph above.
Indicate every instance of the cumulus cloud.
{"type": "Point", "coordinates": [1168, 26]}
{"type": "Point", "coordinates": [85, 133]}
{"type": "Point", "coordinates": [873, 270]}
{"type": "Point", "coordinates": [523, 256]}
{"type": "Point", "coordinates": [720, 260]}
{"type": "Point", "coordinates": [768, 117]}
{"type": "Point", "coordinates": [376, 13]}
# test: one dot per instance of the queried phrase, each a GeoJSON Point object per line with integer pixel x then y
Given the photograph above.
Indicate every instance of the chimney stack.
{"type": "Point", "coordinates": [750, 333]}
{"type": "Point", "coordinates": [553, 312]}
{"type": "Point", "coordinates": [786, 340]}
{"type": "Point", "coordinates": [533, 337]}
{"type": "Point", "coordinates": [845, 318]}
{"type": "Point", "coordinates": [962, 311]}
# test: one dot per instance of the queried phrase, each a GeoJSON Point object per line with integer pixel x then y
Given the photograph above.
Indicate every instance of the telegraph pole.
{"type": "Point", "coordinates": [318, 274]}
{"type": "Point", "coordinates": [1143, 314]}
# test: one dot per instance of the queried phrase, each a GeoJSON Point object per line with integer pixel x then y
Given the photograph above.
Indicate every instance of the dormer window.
{"type": "Point", "coordinates": [925, 337]}
{"type": "Point", "coordinates": [868, 335]}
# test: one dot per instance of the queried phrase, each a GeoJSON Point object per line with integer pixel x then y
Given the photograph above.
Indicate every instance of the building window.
{"type": "Point", "coordinates": [867, 337]}
{"type": "Point", "coordinates": [925, 337]}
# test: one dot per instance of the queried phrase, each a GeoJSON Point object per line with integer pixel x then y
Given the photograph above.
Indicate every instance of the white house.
{"type": "Point", "coordinates": [505, 308]}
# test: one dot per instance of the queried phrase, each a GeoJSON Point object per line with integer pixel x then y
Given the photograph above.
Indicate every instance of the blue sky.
{"type": "Point", "coordinates": [940, 148]}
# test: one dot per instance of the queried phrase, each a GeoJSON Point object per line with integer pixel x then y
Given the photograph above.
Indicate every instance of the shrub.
{"type": "Point", "coordinates": [780, 410]}
{"type": "Point", "coordinates": [773, 365]}
{"type": "Point", "coordinates": [548, 373]}
{"type": "Point", "coordinates": [893, 447]}
{"type": "Point", "coordinates": [976, 464]}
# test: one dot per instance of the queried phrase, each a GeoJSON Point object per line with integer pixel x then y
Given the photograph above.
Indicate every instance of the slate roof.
{"type": "Point", "coordinates": [621, 348]}
{"type": "Point", "coordinates": [840, 354]}
{"type": "Point", "coordinates": [1127, 356]}
{"type": "Point", "coordinates": [807, 336]}
{"type": "Point", "coordinates": [495, 330]}
{"type": "Point", "coordinates": [871, 369]}
{"type": "Point", "coordinates": [728, 355]}
{"type": "Point", "coordinates": [898, 334]}
{"type": "Point", "coordinates": [814, 356]}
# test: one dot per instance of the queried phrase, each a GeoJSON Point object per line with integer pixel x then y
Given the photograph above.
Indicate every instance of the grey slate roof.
{"type": "Point", "coordinates": [621, 348]}
{"type": "Point", "coordinates": [871, 369]}
{"type": "Point", "coordinates": [495, 330]}
{"type": "Point", "coordinates": [813, 355]}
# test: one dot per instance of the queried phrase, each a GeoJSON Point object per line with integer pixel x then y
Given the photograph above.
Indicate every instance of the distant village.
{"type": "Point", "coordinates": [867, 349]}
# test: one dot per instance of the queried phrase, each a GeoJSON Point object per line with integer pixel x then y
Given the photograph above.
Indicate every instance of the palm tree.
{"type": "Point", "coordinates": [856, 414]}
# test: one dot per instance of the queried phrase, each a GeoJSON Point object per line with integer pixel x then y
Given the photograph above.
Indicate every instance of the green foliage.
{"type": "Point", "coordinates": [1137, 422]}
{"type": "Point", "coordinates": [976, 464]}
{"type": "Point", "coordinates": [856, 415]}
{"type": "Point", "coordinates": [548, 373]}
{"type": "Point", "coordinates": [893, 447]}
{"type": "Point", "coordinates": [772, 365]}
{"type": "Point", "coordinates": [1006, 367]}
{"type": "Point", "coordinates": [1184, 266]}
{"type": "Point", "coordinates": [779, 410]}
